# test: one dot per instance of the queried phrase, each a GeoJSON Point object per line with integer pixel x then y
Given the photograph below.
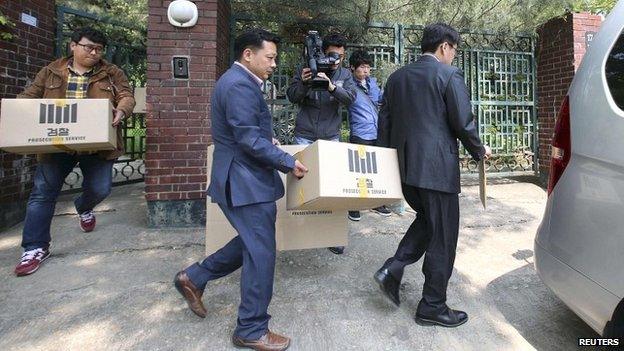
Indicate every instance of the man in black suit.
{"type": "Point", "coordinates": [425, 109]}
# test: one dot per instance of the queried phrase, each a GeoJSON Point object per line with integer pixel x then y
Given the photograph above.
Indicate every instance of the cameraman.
{"type": "Point", "coordinates": [318, 116]}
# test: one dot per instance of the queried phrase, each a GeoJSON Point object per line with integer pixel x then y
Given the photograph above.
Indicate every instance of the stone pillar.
{"type": "Point", "coordinates": [561, 46]}
{"type": "Point", "coordinates": [178, 110]}
{"type": "Point", "coordinates": [31, 48]}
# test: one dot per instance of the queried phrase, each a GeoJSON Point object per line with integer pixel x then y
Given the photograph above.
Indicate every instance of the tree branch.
{"type": "Point", "coordinates": [489, 9]}
{"type": "Point", "coordinates": [369, 9]}
{"type": "Point", "coordinates": [456, 13]}
{"type": "Point", "coordinates": [409, 3]}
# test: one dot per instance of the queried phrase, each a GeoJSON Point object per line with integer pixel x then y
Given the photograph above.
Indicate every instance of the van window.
{"type": "Point", "coordinates": [614, 71]}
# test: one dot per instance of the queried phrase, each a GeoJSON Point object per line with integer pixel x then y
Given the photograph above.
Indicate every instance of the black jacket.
{"type": "Point", "coordinates": [425, 109]}
{"type": "Point", "coordinates": [318, 116]}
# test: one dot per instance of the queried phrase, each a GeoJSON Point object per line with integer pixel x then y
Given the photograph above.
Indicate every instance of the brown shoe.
{"type": "Point", "coordinates": [269, 342]}
{"type": "Point", "coordinates": [191, 294]}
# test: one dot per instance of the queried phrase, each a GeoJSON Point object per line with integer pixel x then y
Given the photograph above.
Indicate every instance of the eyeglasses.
{"type": "Point", "coordinates": [89, 48]}
{"type": "Point", "coordinates": [454, 47]}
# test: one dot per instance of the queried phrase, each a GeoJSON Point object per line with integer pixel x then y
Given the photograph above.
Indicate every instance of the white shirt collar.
{"type": "Point", "coordinates": [255, 77]}
{"type": "Point", "coordinates": [432, 55]}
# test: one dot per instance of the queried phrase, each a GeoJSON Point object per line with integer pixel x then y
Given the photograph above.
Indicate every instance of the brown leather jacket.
{"type": "Point", "coordinates": [107, 82]}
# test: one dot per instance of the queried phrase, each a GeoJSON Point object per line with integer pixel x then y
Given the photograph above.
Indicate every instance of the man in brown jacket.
{"type": "Point", "coordinates": [84, 74]}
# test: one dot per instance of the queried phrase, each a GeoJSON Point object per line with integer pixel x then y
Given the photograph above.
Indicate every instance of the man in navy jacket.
{"type": "Point", "coordinates": [245, 183]}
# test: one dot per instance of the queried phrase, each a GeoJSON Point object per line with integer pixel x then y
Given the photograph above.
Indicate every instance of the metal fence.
{"type": "Point", "coordinates": [132, 59]}
{"type": "Point", "coordinates": [499, 72]}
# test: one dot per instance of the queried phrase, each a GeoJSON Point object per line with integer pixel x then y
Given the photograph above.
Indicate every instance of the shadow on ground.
{"type": "Point", "coordinates": [532, 309]}
{"type": "Point", "coordinates": [111, 289]}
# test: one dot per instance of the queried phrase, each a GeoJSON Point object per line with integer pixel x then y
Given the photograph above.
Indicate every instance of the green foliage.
{"type": "Point", "coordinates": [476, 15]}
{"type": "Point", "coordinates": [131, 12]}
{"type": "Point", "coordinates": [384, 69]}
{"type": "Point", "coordinates": [594, 6]}
{"type": "Point", "coordinates": [125, 25]}
{"type": "Point", "coordinates": [5, 27]}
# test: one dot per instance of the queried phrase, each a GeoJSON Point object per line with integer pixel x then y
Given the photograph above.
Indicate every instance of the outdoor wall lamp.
{"type": "Point", "coordinates": [182, 13]}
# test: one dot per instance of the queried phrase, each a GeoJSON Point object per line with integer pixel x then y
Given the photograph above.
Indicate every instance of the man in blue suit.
{"type": "Point", "coordinates": [245, 184]}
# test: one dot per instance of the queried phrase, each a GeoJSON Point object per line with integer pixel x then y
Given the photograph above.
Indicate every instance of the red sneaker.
{"type": "Point", "coordinates": [87, 221]}
{"type": "Point", "coordinates": [31, 260]}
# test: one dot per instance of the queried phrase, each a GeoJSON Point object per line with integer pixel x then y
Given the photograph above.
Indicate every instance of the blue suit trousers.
{"type": "Point", "coordinates": [253, 249]}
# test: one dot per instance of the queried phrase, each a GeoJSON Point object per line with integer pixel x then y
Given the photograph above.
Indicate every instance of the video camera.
{"type": "Point", "coordinates": [317, 61]}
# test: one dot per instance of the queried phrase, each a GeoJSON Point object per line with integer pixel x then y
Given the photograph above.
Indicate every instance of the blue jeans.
{"type": "Point", "coordinates": [48, 182]}
{"type": "Point", "coordinates": [303, 141]}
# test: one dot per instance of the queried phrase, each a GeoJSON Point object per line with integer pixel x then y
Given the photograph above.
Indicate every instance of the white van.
{"type": "Point", "coordinates": [579, 247]}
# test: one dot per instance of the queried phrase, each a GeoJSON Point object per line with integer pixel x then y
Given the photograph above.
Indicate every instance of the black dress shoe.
{"type": "Point", "coordinates": [388, 284]}
{"type": "Point", "coordinates": [338, 250]}
{"type": "Point", "coordinates": [449, 318]}
{"type": "Point", "coordinates": [354, 216]}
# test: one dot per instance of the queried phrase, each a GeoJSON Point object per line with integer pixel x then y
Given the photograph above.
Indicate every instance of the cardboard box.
{"type": "Point", "coordinates": [29, 126]}
{"type": "Point", "coordinates": [345, 176]}
{"type": "Point", "coordinates": [294, 230]}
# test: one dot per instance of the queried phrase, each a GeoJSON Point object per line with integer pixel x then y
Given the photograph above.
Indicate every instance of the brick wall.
{"type": "Point", "coordinates": [561, 47]}
{"type": "Point", "coordinates": [178, 111]}
{"type": "Point", "coordinates": [20, 60]}
{"type": "Point", "coordinates": [223, 37]}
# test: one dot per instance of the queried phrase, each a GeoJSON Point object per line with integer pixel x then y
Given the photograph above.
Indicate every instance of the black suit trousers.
{"type": "Point", "coordinates": [433, 233]}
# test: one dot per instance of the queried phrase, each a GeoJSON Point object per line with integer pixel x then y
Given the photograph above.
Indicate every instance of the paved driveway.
{"type": "Point", "coordinates": [111, 289]}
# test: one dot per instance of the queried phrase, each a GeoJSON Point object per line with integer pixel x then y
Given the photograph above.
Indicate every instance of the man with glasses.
{"type": "Point", "coordinates": [318, 116]}
{"type": "Point", "coordinates": [84, 74]}
{"type": "Point", "coordinates": [425, 109]}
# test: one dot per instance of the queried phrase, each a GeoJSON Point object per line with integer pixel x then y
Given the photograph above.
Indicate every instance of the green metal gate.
{"type": "Point", "coordinates": [132, 59]}
{"type": "Point", "coordinates": [499, 72]}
